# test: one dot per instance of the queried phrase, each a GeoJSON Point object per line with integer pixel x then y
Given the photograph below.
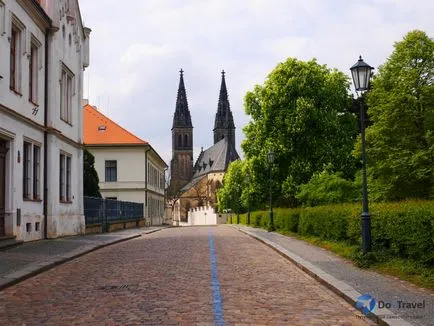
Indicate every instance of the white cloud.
{"type": "Point", "coordinates": [137, 53]}
{"type": "Point", "coordinates": [138, 47]}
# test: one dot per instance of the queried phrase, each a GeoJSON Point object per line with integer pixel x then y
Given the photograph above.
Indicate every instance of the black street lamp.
{"type": "Point", "coordinates": [361, 73]}
{"type": "Point", "coordinates": [270, 157]}
{"type": "Point", "coordinates": [248, 197]}
{"type": "Point", "coordinates": [226, 211]}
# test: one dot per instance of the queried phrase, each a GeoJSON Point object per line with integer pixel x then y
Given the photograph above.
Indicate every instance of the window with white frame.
{"type": "Point", "coordinates": [68, 178]}
{"type": "Point", "coordinates": [62, 178]}
{"type": "Point", "coordinates": [27, 156]}
{"type": "Point", "coordinates": [161, 181]}
{"type": "Point", "coordinates": [36, 172]}
{"type": "Point", "coordinates": [31, 171]}
{"type": "Point", "coordinates": [2, 18]}
{"type": "Point", "coordinates": [155, 178]}
{"type": "Point", "coordinates": [33, 70]}
{"type": "Point", "coordinates": [15, 42]}
{"type": "Point", "coordinates": [111, 171]}
{"type": "Point", "coordinates": [66, 94]}
{"type": "Point", "coordinates": [65, 178]}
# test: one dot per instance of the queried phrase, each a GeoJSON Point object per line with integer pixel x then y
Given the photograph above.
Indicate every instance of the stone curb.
{"type": "Point", "coordinates": [40, 267]}
{"type": "Point", "coordinates": [345, 291]}
{"type": "Point", "coordinates": [11, 245]}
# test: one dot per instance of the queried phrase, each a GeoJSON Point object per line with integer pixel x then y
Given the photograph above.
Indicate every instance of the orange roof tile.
{"type": "Point", "coordinates": [100, 130]}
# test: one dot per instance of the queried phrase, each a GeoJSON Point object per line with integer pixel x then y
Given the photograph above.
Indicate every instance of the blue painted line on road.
{"type": "Point", "coordinates": [217, 298]}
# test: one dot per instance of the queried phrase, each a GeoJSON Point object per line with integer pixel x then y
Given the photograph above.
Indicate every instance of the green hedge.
{"type": "Point", "coordinates": [402, 229]}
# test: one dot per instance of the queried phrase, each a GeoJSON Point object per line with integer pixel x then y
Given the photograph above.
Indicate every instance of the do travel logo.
{"type": "Point", "coordinates": [366, 303]}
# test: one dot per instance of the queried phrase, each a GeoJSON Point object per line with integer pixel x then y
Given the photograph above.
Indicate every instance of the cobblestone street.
{"type": "Point", "coordinates": [201, 275]}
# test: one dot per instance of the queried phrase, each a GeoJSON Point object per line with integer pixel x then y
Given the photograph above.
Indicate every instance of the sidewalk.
{"type": "Point", "coordinates": [350, 282]}
{"type": "Point", "coordinates": [31, 258]}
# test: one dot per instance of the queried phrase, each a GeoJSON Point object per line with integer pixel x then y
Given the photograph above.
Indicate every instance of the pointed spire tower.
{"type": "Point", "coordinates": [181, 118]}
{"type": "Point", "coordinates": [181, 165]}
{"type": "Point", "coordinates": [224, 126]}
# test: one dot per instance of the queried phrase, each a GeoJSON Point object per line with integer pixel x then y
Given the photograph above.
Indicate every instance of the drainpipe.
{"type": "Point", "coordinates": [45, 204]}
{"type": "Point", "coordinates": [146, 183]}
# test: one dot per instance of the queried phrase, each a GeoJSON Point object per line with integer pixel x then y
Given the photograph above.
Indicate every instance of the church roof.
{"type": "Point", "coordinates": [214, 159]}
{"type": "Point", "coordinates": [100, 130]}
{"type": "Point", "coordinates": [181, 118]}
{"type": "Point", "coordinates": [223, 117]}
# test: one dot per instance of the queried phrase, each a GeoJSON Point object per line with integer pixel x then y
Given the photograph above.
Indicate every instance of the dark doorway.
{"type": "Point", "coordinates": [3, 151]}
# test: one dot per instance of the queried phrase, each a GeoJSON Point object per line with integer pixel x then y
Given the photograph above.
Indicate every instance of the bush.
{"type": "Point", "coordinates": [400, 229]}
{"type": "Point", "coordinates": [328, 188]}
{"type": "Point", "coordinates": [286, 219]}
{"type": "Point", "coordinates": [406, 229]}
{"type": "Point", "coordinates": [327, 222]}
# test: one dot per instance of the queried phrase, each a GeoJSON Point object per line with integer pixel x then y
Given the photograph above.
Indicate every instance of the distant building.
{"type": "Point", "coordinates": [44, 49]}
{"type": "Point", "coordinates": [196, 185]}
{"type": "Point", "coordinates": [128, 168]}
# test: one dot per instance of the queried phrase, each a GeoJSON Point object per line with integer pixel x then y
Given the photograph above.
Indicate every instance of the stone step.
{"type": "Point", "coordinates": [9, 242]}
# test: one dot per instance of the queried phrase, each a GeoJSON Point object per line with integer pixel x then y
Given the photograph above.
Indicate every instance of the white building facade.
{"type": "Point", "coordinates": [41, 186]}
{"type": "Point", "coordinates": [128, 168]}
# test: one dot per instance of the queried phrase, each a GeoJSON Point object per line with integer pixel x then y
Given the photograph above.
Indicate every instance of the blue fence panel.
{"type": "Point", "coordinates": [103, 211]}
{"type": "Point", "coordinates": [93, 210]}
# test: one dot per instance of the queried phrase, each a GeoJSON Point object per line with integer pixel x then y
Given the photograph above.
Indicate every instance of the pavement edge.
{"type": "Point", "coordinates": [61, 261]}
{"type": "Point", "coordinates": [345, 291]}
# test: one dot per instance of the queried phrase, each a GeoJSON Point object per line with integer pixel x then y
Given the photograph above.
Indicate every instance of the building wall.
{"type": "Point", "coordinates": [19, 102]}
{"type": "Point", "coordinates": [15, 132]}
{"type": "Point", "coordinates": [155, 189]}
{"type": "Point", "coordinates": [21, 119]}
{"type": "Point", "coordinates": [140, 177]}
{"type": "Point", "coordinates": [130, 167]}
{"type": "Point", "coordinates": [203, 215]}
{"type": "Point", "coordinates": [66, 52]}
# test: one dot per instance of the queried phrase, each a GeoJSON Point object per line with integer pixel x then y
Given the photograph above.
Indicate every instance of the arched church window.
{"type": "Point", "coordinates": [179, 141]}
{"type": "Point", "coordinates": [185, 141]}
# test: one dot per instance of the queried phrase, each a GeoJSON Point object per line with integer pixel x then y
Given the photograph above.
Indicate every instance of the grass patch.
{"type": "Point", "coordinates": [341, 249]}
{"type": "Point", "coordinates": [407, 270]}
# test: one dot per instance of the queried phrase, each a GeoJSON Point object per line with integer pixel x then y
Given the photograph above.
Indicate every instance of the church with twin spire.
{"type": "Point", "coordinates": [194, 184]}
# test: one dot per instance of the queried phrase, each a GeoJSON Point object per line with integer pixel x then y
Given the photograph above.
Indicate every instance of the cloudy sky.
{"type": "Point", "coordinates": [139, 46]}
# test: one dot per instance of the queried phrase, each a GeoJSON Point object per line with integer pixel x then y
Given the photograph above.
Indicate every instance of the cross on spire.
{"type": "Point", "coordinates": [223, 73]}
{"type": "Point", "coordinates": [181, 71]}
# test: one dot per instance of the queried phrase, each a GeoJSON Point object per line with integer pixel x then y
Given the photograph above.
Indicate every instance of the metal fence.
{"type": "Point", "coordinates": [103, 211]}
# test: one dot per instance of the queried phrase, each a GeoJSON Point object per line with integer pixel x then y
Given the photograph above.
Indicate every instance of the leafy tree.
{"type": "Point", "coordinates": [90, 176]}
{"type": "Point", "coordinates": [230, 195]}
{"type": "Point", "coordinates": [329, 188]}
{"type": "Point", "coordinates": [302, 113]}
{"type": "Point", "coordinates": [400, 141]}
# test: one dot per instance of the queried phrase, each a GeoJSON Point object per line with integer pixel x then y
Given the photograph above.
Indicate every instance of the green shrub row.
{"type": "Point", "coordinates": [401, 229]}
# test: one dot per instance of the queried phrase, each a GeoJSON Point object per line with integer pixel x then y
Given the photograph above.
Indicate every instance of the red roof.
{"type": "Point", "coordinates": [100, 130]}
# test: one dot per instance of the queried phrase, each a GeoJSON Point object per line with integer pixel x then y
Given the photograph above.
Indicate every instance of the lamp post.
{"type": "Point", "coordinates": [361, 73]}
{"type": "Point", "coordinates": [270, 157]}
{"type": "Point", "coordinates": [248, 197]}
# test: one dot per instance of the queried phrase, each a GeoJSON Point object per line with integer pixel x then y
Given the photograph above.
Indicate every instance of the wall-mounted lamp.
{"type": "Point", "coordinates": [19, 157]}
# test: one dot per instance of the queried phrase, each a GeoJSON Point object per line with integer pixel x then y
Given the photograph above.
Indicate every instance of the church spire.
{"type": "Point", "coordinates": [181, 165]}
{"type": "Point", "coordinates": [182, 116]}
{"type": "Point", "coordinates": [224, 122]}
